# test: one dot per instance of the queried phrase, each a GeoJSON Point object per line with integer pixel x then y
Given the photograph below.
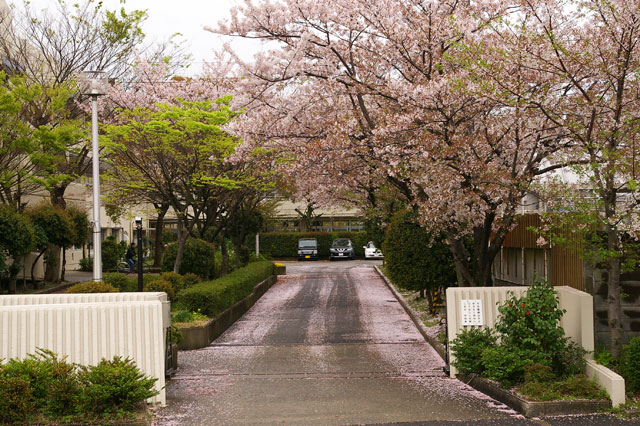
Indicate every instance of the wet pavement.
{"type": "Point", "coordinates": [328, 344]}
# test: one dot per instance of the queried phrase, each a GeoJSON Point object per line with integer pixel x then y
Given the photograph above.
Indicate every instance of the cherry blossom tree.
{"type": "Point", "coordinates": [391, 91]}
{"type": "Point", "coordinates": [592, 51]}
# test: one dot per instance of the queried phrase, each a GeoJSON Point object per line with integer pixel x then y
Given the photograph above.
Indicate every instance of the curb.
{"type": "Point", "coordinates": [200, 336]}
{"type": "Point", "coordinates": [535, 408]}
{"type": "Point", "coordinates": [415, 317]}
{"type": "Point", "coordinates": [55, 289]}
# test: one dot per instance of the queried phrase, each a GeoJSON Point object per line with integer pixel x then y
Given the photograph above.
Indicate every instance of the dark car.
{"type": "Point", "coordinates": [307, 249]}
{"type": "Point", "coordinates": [342, 248]}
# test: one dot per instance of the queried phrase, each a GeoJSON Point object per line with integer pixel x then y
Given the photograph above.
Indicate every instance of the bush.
{"type": "Point", "coordinates": [213, 297]}
{"type": "Point", "coordinates": [161, 285]}
{"type": "Point", "coordinates": [186, 316]}
{"type": "Point", "coordinates": [630, 364]}
{"type": "Point", "coordinates": [15, 399]}
{"type": "Point", "coordinates": [86, 264]}
{"type": "Point", "coordinates": [176, 280]}
{"type": "Point", "coordinates": [190, 279]}
{"type": "Point", "coordinates": [531, 324]}
{"type": "Point", "coordinates": [46, 389]}
{"type": "Point", "coordinates": [111, 254]}
{"type": "Point", "coordinates": [198, 258]}
{"type": "Point", "coordinates": [92, 287]}
{"type": "Point", "coordinates": [244, 255]}
{"type": "Point", "coordinates": [468, 346]}
{"type": "Point", "coordinates": [114, 385]}
{"type": "Point", "coordinates": [574, 387]}
{"type": "Point", "coordinates": [504, 364]}
{"type": "Point", "coordinates": [415, 258]}
{"type": "Point", "coordinates": [117, 280]}
{"type": "Point", "coordinates": [538, 373]}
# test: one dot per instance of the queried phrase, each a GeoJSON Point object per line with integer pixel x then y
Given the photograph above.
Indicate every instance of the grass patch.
{"type": "Point", "coordinates": [574, 387]}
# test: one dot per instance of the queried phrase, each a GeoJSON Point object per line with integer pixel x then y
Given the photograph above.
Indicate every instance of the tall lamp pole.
{"type": "Point", "coordinates": [94, 85]}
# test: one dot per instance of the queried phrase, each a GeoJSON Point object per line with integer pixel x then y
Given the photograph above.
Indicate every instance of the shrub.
{"type": "Point", "coordinates": [116, 279]}
{"type": "Point", "coordinates": [538, 373]}
{"type": "Point", "coordinates": [187, 316]}
{"type": "Point", "coordinates": [92, 287]}
{"type": "Point", "coordinates": [114, 385]}
{"type": "Point", "coordinates": [176, 280]}
{"type": "Point", "coordinates": [43, 388]}
{"type": "Point", "coordinates": [15, 399]}
{"type": "Point", "coordinates": [531, 324]}
{"type": "Point", "coordinates": [198, 258]}
{"type": "Point", "coordinates": [190, 279]}
{"type": "Point", "coordinates": [86, 264]}
{"type": "Point", "coordinates": [213, 297]}
{"type": "Point", "coordinates": [577, 386]}
{"type": "Point", "coordinates": [504, 364]}
{"type": "Point", "coordinates": [161, 285]}
{"type": "Point", "coordinates": [244, 255]}
{"type": "Point", "coordinates": [111, 254]}
{"type": "Point", "coordinates": [630, 364]}
{"type": "Point", "coordinates": [468, 346]}
{"type": "Point", "coordinates": [416, 259]}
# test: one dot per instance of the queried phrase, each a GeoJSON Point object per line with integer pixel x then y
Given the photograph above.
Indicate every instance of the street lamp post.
{"type": "Point", "coordinates": [94, 84]}
{"type": "Point", "coordinates": [140, 260]}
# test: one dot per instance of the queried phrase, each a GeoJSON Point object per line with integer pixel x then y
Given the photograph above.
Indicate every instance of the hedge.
{"type": "Point", "coordinates": [213, 297]}
{"type": "Point", "coordinates": [197, 258]}
{"type": "Point", "coordinates": [285, 244]}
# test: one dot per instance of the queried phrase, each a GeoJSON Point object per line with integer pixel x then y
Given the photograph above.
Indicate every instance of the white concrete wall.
{"type": "Point", "coordinates": [88, 332]}
{"type": "Point", "coordinates": [577, 321]}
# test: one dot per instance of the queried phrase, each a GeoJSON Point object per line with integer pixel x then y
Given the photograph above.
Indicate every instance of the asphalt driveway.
{"type": "Point", "coordinates": [327, 345]}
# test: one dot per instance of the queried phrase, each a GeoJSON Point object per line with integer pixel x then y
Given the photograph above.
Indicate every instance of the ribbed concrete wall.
{"type": "Point", "coordinates": [577, 321]}
{"type": "Point", "coordinates": [50, 299]}
{"type": "Point", "coordinates": [88, 332]}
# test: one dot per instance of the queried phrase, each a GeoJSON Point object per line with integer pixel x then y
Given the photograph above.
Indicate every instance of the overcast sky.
{"type": "Point", "coordinates": [187, 17]}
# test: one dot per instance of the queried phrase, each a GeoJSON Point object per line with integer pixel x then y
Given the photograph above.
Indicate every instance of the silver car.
{"type": "Point", "coordinates": [342, 248]}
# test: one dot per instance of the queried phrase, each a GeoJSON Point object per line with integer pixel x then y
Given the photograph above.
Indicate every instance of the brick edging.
{"type": "Point", "coordinates": [415, 317]}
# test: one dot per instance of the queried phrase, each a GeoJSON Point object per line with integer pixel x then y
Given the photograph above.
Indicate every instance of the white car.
{"type": "Point", "coordinates": [372, 252]}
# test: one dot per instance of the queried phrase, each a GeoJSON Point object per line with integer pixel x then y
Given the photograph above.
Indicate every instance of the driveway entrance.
{"type": "Point", "coordinates": [327, 345]}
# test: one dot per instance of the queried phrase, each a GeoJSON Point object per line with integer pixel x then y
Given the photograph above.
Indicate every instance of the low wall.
{"type": "Point", "coordinates": [196, 337]}
{"type": "Point", "coordinates": [577, 321]}
{"type": "Point", "coordinates": [88, 332]}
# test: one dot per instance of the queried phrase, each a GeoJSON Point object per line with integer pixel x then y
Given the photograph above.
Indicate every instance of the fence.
{"type": "Point", "coordinates": [88, 330]}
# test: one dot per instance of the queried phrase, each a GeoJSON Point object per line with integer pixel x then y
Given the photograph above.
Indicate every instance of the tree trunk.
{"type": "Point", "coordinates": [182, 238]}
{"type": "Point", "coordinates": [159, 247]}
{"type": "Point", "coordinates": [52, 266]}
{"type": "Point", "coordinates": [224, 266]}
{"type": "Point", "coordinates": [614, 311]}
{"type": "Point", "coordinates": [64, 263]}
{"type": "Point", "coordinates": [52, 269]}
{"type": "Point", "coordinates": [33, 267]}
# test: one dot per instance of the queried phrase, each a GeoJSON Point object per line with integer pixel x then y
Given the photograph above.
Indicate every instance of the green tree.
{"type": "Point", "coordinates": [416, 259]}
{"type": "Point", "coordinates": [177, 152]}
{"type": "Point", "coordinates": [55, 229]}
{"type": "Point", "coordinates": [16, 241]}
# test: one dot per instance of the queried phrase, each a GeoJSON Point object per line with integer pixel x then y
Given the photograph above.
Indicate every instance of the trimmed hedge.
{"type": "Point", "coordinates": [197, 258]}
{"type": "Point", "coordinates": [285, 244]}
{"type": "Point", "coordinates": [213, 297]}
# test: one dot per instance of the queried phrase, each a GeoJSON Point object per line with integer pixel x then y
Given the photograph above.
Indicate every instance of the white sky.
{"type": "Point", "coordinates": [187, 17]}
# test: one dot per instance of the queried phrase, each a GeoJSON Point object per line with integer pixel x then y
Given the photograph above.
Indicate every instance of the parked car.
{"type": "Point", "coordinates": [342, 248]}
{"type": "Point", "coordinates": [307, 249]}
{"type": "Point", "coordinates": [372, 252]}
